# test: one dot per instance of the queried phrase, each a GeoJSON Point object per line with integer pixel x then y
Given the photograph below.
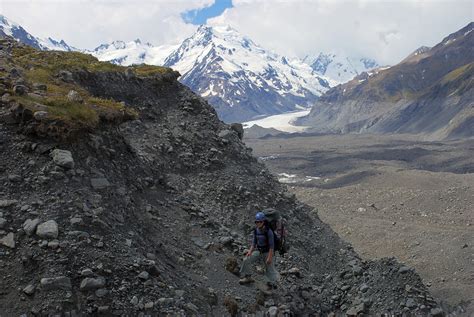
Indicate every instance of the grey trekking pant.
{"type": "Point", "coordinates": [270, 272]}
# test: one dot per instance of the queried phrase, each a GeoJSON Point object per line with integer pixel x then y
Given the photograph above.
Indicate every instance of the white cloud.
{"type": "Point", "coordinates": [88, 23]}
{"type": "Point", "coordinates": [385, 30]}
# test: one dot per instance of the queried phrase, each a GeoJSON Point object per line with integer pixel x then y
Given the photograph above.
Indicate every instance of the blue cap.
{"type": "Point", "coordinates": [260, 216]}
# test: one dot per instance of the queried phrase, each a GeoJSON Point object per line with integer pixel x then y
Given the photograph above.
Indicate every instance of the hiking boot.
{"type": "Point", "coordinates": [246, 280]}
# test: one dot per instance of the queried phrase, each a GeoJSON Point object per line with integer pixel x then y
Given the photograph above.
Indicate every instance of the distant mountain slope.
{"type": "Point", "coordinates": [10, 28]}
{"type": "Point", "coordinates": [339, 67]}
{"type": "Point", "coordinates": [431, 91]}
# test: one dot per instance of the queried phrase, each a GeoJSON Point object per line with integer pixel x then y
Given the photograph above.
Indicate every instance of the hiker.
{"type": "Point", "coordinates": [263, 248]}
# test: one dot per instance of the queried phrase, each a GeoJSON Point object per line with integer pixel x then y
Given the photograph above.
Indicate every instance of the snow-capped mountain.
{"type": "Point", "coordinates": [241, 79]}
{"type": "Point", "coordinates": [339, 67]}
{"type": "Point", "coordinates": [135, 52]}
{"type": "Point", "coordinates": [10, 28]}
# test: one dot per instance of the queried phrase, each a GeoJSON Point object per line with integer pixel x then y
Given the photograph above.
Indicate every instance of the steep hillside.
{"type": "Point", "coordinates": [430, 92]}
{"type": "Point", "coordinates": [148, 207]}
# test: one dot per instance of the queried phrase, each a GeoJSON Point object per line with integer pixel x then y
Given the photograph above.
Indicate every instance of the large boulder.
{"type": "Point", "coordinates": [30, 226]}
{"type": "Point", "coordinates": [63, 158]}
{"type": "Point", "coordinates": [239, 128]}
{"type": "Point", "coordinates": [56, 283]}
{"type": "Point", "coordinates": [48, 230]}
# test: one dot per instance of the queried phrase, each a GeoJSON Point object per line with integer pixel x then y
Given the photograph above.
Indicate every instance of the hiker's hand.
{"type": "Point", "coordinates": [269, 260]}
{"type": "Point", "coordinates": [249, 253]}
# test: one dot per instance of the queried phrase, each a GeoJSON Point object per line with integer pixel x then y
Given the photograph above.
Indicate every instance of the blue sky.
{"type": "Point", "coordinates": [200, 16]}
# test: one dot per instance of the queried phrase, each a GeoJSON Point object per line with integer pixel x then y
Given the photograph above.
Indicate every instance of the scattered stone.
{"type": "Point", "coordinates": [74, 96]}
{"type": "Point", "coordinates": [404, 269]}
{"type": "Point", "coordinates": [144, 275]}
{"type": "Point", "coordinates": [8, 240]}
{"type": "Point", "coordinates": [76, 221]}
{"type": "Point", "coordinates": [63, 158]}
{"type": "Point", "coordinates": [295, 271]}
{"type": "Point", "coordinates": [149, 305]}
{"type": "Point", "coordinates": [38, 86]}
{"type": "Point", "coordinates": [226, 134]}
{"type": "Point", "coordinates": [20, 90]}
{"type": "Point", "coordinates": [232, 265]}
{"type": "Point", "coordinates": [3, 222]}
{"type": "Point", "coordinates": [14, 178]}
{"type": "Point", "coordinates": [99, 183]}
{"type": "Point", "coordinates": [41, 115]}
{"type": "Point", "coordinates": [239, 128]}
{"type": "Point", "coordinates": [48, 230]}
{"type": "Point", "coordinates": [356, 310]}
{"type": "Point", "coordinates": [101, 292]}
{"type": "Point", "coordinates": [87, 272]}
{"type": "Point", "coordinates": [436, 312]}
{"type": "Point", "coordinates": [410, 303]}
{"type": "Point", "coordinates": [29, 289]}
{"type": "Point", "coordinates": [53, 244]}
{"type": "Point", "coordinates": [55, 283]}
{"type": "Point", "coordinates": [272, 311]}
{"type": "Point", "coordinates": [30, 226]}
{"type": "Point", "coordinates": [89, 283]}
{"type": "Point", "coordinates": [66, 76]}
{"type": "Point", "coordinates": [7, 203]}
{"type": "Point", "coordinates": [364, 288]}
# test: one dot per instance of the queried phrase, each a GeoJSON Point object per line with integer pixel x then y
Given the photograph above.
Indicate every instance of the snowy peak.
{"type": "Point", "coordinates": [339, 67]}
{"type": "Point", "coordinates": [132, 53]}
{"type": "Point", "coordinates": [240, 78]}
{"type": "Point", "coordinates": [10, 28]}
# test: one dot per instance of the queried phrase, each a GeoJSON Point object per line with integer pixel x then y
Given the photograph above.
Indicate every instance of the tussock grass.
{"type": "Point", "coordinates": [43, 67]}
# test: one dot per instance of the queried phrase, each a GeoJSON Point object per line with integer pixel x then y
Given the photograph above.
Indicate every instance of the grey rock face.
{"type": "Point", "coordinates": [48, 230]}
{"type": "Point", "coordinates": [56, 283]}
{"type": "Point", "coordinates": [63, 158]}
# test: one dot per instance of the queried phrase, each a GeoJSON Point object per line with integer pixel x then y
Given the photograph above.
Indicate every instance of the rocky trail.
{"type": "Point", "coordinates": [149, 213]}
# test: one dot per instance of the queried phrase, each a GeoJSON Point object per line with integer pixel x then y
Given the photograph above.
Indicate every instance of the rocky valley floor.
{"type": "Point", "coordinates": [389, 196]}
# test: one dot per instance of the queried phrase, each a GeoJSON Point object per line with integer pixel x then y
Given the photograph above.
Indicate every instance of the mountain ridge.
{"type": "Point", "coordinates": [381, 101]}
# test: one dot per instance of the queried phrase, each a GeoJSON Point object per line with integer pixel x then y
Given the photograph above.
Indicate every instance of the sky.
{"type": "Point", "coordinates": [387, 30]}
